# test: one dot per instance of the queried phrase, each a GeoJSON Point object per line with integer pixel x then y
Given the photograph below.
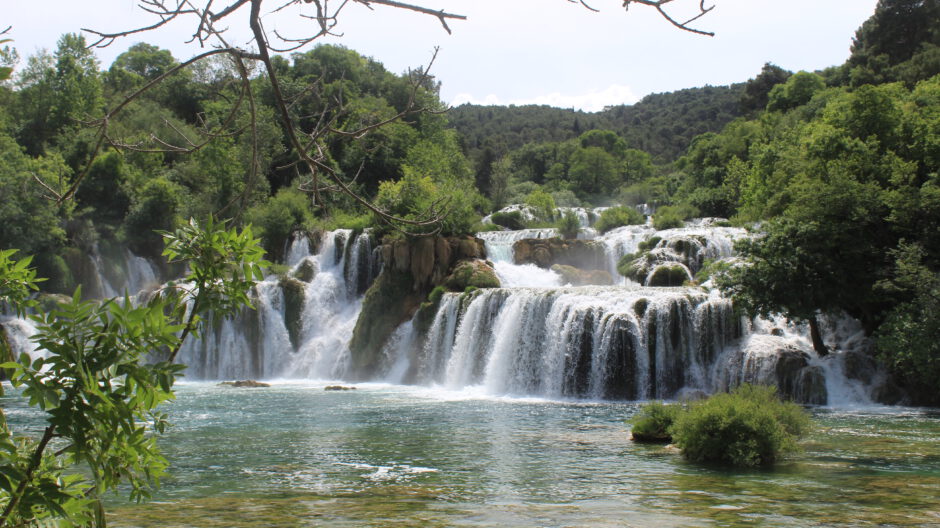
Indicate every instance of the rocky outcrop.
{"type": "Point", "coordinates": [412, 267]}
{"type": "Point", "coordinates": [546, 252]}
{"type": "Point", "coordinates": [294, 296]}
{"type": "Point", "coordinates": [389, 302]}
{"type": "Point", "coordinates": [579, 277]}
{"type": "Point", "coordinates": [473, 273]}
{"type": "Point", "coordinates": [429, 260]}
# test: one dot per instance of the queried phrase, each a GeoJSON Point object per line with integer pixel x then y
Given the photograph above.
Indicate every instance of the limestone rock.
{"type": "Point", "coordinates": [545, 252]}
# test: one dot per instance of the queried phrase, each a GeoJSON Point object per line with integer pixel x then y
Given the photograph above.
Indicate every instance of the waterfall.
{"type": "Point", "coordinates": [533, 337]}
{"type": "Point", "coordinates": [577, 342]}
{"type": "Point", "coordinates": [303, 319]}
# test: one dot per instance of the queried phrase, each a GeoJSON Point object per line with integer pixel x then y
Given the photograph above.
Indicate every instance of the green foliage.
{"type": "Point", "coordinates": [435, 296]}
{"type": "Point", "coordinates": [569, 225]}
{"type": "Point", "coordinates": [17, 282]}
{"type": "Point", "coordinates": [593, 171]}
{"type": "Point", "coordinates": [909, 339]}
{"type": "Point", "coordinates": [223, 266]}
{"type": "Point", "coordinates": [757, 90]}
{"type": "Point", "coordinates": [748, 427]}
{"type": "Point", "coordinates": [278, 217]}
{"type": "Point", "coordinates": [510, 220]}
{"type": "Point", "coordinates": [711, 269]}
{"type": "Point", "coordinates": [614, 217]}
{"type": "Point", "coordinates": [653, 422]}
{"type": "Point", "coordinates": [897, 36]}
{"type": "Point", "coordinates": [673, 216]}
{"type": "Point", "coordinates": [100, 381]}
{"type": "Point", "coordinates": [797, 91]}
{"type": "Point", "coordinates": [542, 204]}
{"type": "Point", "coordinates": [156, 207]}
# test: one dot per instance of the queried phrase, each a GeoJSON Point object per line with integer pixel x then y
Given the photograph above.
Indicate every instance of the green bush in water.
{"type": "Point", "coordinates": [569, 225]}
{"type": "Point", "coordinates": [749, 427]}
{"type": "Point", "coordinates": [653, 422]}
{"type": "Point", "coordinates": [510, 220]}
{"type": "Point", "coordinates": [618, 217]}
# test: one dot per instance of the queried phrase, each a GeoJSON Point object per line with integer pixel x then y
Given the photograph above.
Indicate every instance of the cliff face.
{"type": "Point", "coordinates": [412, 267]}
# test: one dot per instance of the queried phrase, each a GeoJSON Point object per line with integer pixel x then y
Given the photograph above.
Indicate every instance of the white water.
{"type": "Point", "coordinates": [532, 338]}
{"type": "Point", "coordinates": [259, 344]}
{"type": "Point", "coordinates": [535, 338]}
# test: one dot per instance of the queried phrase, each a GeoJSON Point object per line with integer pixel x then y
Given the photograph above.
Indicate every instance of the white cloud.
{"type": "Point", "coordinates": [592, 101]}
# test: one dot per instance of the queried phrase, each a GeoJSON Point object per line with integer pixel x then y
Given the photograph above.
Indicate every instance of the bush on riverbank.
{"type": "Point", "coordinates": [748, 427]}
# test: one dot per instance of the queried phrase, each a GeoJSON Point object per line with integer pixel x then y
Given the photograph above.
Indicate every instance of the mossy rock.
{"type": "Point", "coordinates": [294, 297]}
{"type": "Point", "coordinates": [390, 301]}
{"type": "Point", "coordinates": [475, 273]}
{"type": "Point", "coordinates": [306, 271]}
{"type": "Point", "coordinates": [640, 306]}
{"type": "Point", "coordinates": [51, 301]}
{"type": "Point", "coordinates": [245, 384]}
{"type": "Point", "coordinates": [675, 275]}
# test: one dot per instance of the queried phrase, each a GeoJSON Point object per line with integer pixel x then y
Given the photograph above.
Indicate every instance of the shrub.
{"type": "Point", "coordinates": [748, 427]}
{"type": "Point", "coordinates": [542, 204]}
{"type": "Point", "coordinates": [617, 217]}
{"type": "Point", "coordinates": [673, 216]}
{"type": "Point", "coordinates": [653, 422]}
{"type": "Point", "coordinates": [278, 217]}
{"type": "Point", "coordinates": [569, 226]}
{"type": "Point", "coordinates": [510, 220]}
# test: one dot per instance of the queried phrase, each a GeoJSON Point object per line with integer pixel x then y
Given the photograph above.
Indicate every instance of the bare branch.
{"type": "Point", "coordinates": [659, 5]}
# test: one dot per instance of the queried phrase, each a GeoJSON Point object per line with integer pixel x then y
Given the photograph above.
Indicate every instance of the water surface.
{"type": "Point", "coordinates": [296, 455]}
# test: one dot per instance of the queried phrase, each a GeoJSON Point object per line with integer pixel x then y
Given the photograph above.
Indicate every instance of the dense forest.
{"type": "Point", "coordinates": [839, 168]}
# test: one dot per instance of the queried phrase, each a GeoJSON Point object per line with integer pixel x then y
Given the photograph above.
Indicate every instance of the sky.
{"type": "Point", "coordinates": [553, 52]}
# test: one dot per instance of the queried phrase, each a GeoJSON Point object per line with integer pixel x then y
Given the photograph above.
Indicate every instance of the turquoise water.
{"type": "Point", "coordinates": [296, 455]}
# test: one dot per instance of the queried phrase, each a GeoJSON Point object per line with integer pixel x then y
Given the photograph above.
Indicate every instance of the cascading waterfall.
{"type": "Point", "coordinates": [532, 337]}
{"type": "Point", "coordinates": [303, 319]}
{"type": "Point", "coordinates": [623, 343]}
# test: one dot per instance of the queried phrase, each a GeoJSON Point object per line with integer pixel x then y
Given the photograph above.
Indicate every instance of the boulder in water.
{"type": "Point", "coordinates": [579, 277]}
{"type": "Point", "coordinates": [338, 388]}
{"type": "Point", "coordinates": [248, 384]}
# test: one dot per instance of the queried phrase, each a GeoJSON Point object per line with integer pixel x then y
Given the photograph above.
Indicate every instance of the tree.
{"type": "Point", "coordinates": [898, 30]}
{"type": "Point", "coordinates": [306, 141]}
{"type": "Point", "coordinates": [108, 365]}
{"type": "Point", "coordinates": [757, 90]}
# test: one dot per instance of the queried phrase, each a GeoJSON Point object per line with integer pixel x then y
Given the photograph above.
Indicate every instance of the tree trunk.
{"type": "Point", "coordinates": [818, 344]}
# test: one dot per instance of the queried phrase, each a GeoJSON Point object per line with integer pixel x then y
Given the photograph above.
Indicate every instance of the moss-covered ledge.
{"type": "Point", "coordinates": [389, 302]}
